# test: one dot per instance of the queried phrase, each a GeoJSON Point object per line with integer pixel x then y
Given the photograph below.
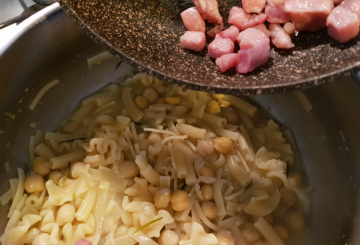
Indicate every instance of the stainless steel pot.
{"type": "Point", "coordinates": [51, 46]}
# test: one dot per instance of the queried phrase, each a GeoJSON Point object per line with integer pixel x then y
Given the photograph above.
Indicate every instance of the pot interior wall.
{"type": "Point", "coordinates": [327, 137]}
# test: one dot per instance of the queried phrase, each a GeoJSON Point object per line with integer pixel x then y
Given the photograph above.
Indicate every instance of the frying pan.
{"type": "Point", "coordinates": [146, 34]}
{"type": "Point", "coordinates": [51, 46]}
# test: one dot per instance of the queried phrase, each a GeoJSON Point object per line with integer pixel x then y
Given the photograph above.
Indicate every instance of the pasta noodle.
{"type": "Point", "coordinates": [41, 93]}
{"type": "Point", "coordinates": [268, 232]}
{"type": "Point", "coordinates": [98, 58]}
{"type": "Point", "coordinates": [191, 131]}
{"type": "Point", "coordinates": [115, 174]}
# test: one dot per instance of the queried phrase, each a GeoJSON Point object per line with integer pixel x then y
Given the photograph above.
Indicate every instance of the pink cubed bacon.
{"type": "Point", "coordinates": [253, 6]}
{"type": "Point", "coordinates": [309, 15]}
{"type": "Point", "coordinates": [276, 14]}
{"type": "Point", "coordinates": [254, 50]}
{"type": "Point", "coordinates": [220, 46]}
{"type": "Point", "coordinates": [242, 20]}
{"type": "Point", "coordinates": [209, 10]}
{"type": "Point", "coordinates": [279, 37]}
{"type": "Point", "coordinates": [226, 61]}
{"type": "Point", "coordinates": [262, 27]}
{"type": "Point", "coordinates": [232, 33]}
{"type": "Point", "coordinates": [352, 5]}
{"type": "Point", "coordinates": [342, 24]}
{"type": "Point", "coordinates": [193, 40]}
{"type": "Point", "coordinates": [83, 242]}
{"type": "Point", "coordinates": [192, 20]}
{"type": "Point", "coordinates": [276, 3]}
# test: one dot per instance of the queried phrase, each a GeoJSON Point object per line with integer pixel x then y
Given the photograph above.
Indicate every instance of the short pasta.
{"type": "Point", "coordinates": [172, 172]}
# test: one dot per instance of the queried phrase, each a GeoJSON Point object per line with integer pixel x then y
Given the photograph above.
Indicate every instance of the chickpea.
{"type": "Point", "coordinates": [179, 200]}
{"type": "Point", "coordinates": [109, 225]}
{"type": "Point", "coordinates": [224, 103]}
{"type": "Point", "coordinates": [250, 233]}
{"type": "Point", "coordinates": [76, 169]}
{"type": "Point", "coordinates": [162, 198]}
{"type": "Point", "coordinates": [173, 100]}
{"type": "Point", "coordinates": [206, 171]}
{"type": "Point", "coordinates": [295, 220]}
{"type": "Point", "coordinates": [281, 231]}
{"type": "Point", "coordinates": [231, 116]}
{"type": "Point", "coordinates": [213, 107]}
{"type": "Point", "coordinates": [41, 166]}
{"type": "Point", "coordinates": [288, 197]}
{"type": "Point", "coordinates": [295, 179]}
{"type": "Point", "coordinates": [143, 136]}
{"type": "Point", "coordinates": [161, 101]}
{"type": "Point", "coordinates": [160, 89]}
{"type": "Point", "coordinates": [65, 214]}
{"type": "Point", "coordinates": [205, 148]}
{"type": "Point", "coordinates": [155, 137]}
{"type": "Point", "coordinates": [129, 169]}
{"type": "Point", "coordinates": [225, 237]}
{"type": "Point", "coordinates": [151, 95]}
{"type": "Point", "coordinates": [141, 102]}
{"type": "Point", "coordinates": [218, 96]}
{"type": "Point", "coordinates": [209, 209]}
{"type": "Point", "coordinates": [55, 176]}
{"type": "Point", "coordinates": [122, 231]}
{"type": "Point", "coordinates": [223, 144]}
{"type": "Point", "coordinates": [42, 239]}
{"type": "Point", "coordinates": [71, 126]}
{"type": "Point", "coordinates": [207, 192]}
{"type": "Point", "coordinates": [144, 144]}
{"type": "Point", "coordinates": [34, 183]}
{"type": "Point", "coordinates": [168, 237]}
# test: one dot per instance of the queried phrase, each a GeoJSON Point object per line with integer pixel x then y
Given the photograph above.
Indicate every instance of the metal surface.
{"type": "Point", "coordinates": [12, 8]}
{"type": "Point", "coordinates": [24, 15]}
{"type": "Point", "coordinates": [147, 34]}
{"type": "Point", "coordinates": [52, 46]}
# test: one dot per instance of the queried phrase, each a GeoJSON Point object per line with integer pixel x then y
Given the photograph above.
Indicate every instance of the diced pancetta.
{"type": "Point", "coordinates": [342, 24]}
{"type": "Point", "coordinates": [193, 40]}
{"type": "Point", "coordinates": [220, 46]}
{"type": "Point", "coordinates": [232, 33]}
{"type": "Point", "coordinates": [253, 6]}
{"type": "Point", "coordinates": [337, 2]}
{"type": "Point", "coordinates": [352, 5]}
{"type": "Point", "coordinates": [209, 10]}
{"type": "Point", "coordinates": [289, 28]}
{"type": "Point", "coordinates": [262, 27]}
{"type": "Point", "coordinates": [309, 15]}
{"type": "Point", "coordinates": [227, 61]}
{"type": "Point", "coordinates": [254, 50]}
{"type": "Point", "coordinates": [193, 20]}
{"type": "Point", "coordinates": [279, 37]}
{"type": "Point", "coordinates": [276, 14]}
{"type": "Point", "coordinates": [276, 3]}
{"type": "Point", "coordinates": [242, 20]}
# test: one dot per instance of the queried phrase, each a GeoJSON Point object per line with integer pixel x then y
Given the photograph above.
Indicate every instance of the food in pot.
{"type": "Point", "coordinates": [174, 167]}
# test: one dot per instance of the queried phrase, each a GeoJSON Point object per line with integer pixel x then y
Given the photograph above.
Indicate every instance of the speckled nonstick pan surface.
{"type": "Point", "coordinates": [146, 33]}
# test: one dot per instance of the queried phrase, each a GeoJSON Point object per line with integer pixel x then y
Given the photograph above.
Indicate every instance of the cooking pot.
{"type": "Point", "coordinates": [51, 46]}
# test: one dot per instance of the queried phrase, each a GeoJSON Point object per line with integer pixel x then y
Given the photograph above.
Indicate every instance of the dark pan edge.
{"type": "Point", "coordinates": [303, 84]}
